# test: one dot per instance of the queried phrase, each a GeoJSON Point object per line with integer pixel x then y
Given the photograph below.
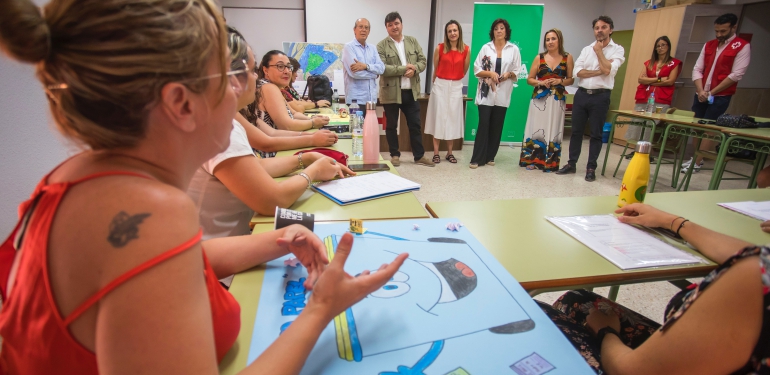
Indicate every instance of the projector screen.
{"type": "Point", "coordinates": [322, 27]}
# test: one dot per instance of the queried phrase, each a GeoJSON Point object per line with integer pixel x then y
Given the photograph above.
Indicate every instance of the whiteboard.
{"type": "Point", "coordinates": [267, 29]}
{"type": "Point", "coordinates": [331, 21]}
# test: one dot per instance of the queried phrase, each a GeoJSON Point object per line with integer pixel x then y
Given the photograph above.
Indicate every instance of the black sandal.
{"type": "Point", "coordinates": [451, 159]}
{"type": "Point", "coordinates": [436, 159]}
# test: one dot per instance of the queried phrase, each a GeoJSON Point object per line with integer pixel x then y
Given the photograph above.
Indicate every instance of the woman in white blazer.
{"type": "Point", "coordinates": [497, 67]}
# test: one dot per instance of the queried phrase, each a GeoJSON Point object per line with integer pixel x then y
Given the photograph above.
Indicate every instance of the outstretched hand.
{"type": "Point", "coordinates": [336, 290]}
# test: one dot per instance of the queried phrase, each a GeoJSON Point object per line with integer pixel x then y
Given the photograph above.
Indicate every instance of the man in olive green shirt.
{"type": "Point", "coordinates": [400, 87]}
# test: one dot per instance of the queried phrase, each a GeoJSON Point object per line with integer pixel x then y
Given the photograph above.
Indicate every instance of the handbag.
{"type": "Point", "coordinates": [736, 121]}
{"type": "Point", "coordinates": [318, 88]}
{"type": "Point", "coordinates": [340, 157]}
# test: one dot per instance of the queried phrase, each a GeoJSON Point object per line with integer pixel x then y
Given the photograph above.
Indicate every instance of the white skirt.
{"type": "Point", "coordinates": [445, 119]}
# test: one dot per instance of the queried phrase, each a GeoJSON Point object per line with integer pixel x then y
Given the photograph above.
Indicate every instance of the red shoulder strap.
{"type": "Point", "coordinates": [109, 173]}
{"type": "Point", "coordinates": [128, 275]}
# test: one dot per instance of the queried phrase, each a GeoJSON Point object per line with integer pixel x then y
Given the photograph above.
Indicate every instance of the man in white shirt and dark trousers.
{"type": "Point", "coordinates": [721, 64]}
{"type": "Point", "coordinates": [596, 67]}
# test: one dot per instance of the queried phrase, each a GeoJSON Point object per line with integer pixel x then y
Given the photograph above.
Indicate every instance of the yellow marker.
{"type": "Point", "coordinates": [634, 185]}
{"type": "Point", "coordinates": [357, 226]}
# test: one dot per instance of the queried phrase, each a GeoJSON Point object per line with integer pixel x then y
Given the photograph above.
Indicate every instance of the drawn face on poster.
{"type": "Point", "coordinates": [440, 284]}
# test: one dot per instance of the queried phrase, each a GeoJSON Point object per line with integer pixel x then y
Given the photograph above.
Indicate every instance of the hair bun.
{"type": "Point", "coordinates": [24, 34]}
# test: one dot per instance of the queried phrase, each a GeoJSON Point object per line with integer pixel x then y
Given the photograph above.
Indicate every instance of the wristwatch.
{"type": "Point", "coordinates": [658, 79]}
{"type": "Point", "coordinates": [367, 67]}
{"type": "Point", "coordinates": [603, 332]}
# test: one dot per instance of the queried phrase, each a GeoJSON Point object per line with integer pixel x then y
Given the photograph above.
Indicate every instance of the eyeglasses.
{"type": "Point", "coordinates": [282, 67]}
{"type": "Point", "coordinates": [238, 78]}
{"type": "Point", "coordinates": [661, 46]}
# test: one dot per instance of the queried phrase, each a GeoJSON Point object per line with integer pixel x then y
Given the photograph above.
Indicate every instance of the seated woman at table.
{"type": "Point", "coordinates": [231, 186]}
{"type": "Point", "coordinates": [720, 326]}
{"type": "Point", "coordinates": [265, 140]}
{"type": "Point", "coordinates": [269, 105]}
{"type": "Point", "coordinates": [107, 274]}
{"type": "Point", "coordinates": [658, 76]}
{"type": "Point", "coordinates": [292, 96]}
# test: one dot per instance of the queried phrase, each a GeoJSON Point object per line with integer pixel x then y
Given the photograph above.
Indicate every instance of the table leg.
{"type": "Point", "coordinates": [660, 157]}
{"type": "Point", "coordinates": [759, 163]}
{"type": "Point", "coordinates": [609, 141]}
{"type": "Point", "coordinates": [613, 295]}
{"type": "Point", "coordinates": [719, 166]}
{"type": "Point", "coordinates": [686, 181]}
{"type": "Point", "coordinates": [678, 167]}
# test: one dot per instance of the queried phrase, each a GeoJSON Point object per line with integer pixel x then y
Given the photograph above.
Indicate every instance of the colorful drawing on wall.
{"type": "Point", "coordinates": [315, 58]}
{"type": "Point", "coordinates": [451, 309]}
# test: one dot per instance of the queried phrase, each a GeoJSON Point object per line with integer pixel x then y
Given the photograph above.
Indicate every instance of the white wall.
{"type": "Point", "coordinates": [29, 147]}
{"type": "Point", "coordinates": [755, 21]}
{"type": "Point", "coordinates": [331, 21]}
{"type": "Point", "coordinates": [621, 12]}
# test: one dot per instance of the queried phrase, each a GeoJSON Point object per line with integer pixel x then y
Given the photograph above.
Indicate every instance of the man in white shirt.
{"type": "Point", "coordinates": [596, 67]}
{"type": "Point", "coordinates": [721, 64]}
{"type": "Point", "coordinates": [400, 88]}
{"type": "Point", "coordinates": [362, 66]}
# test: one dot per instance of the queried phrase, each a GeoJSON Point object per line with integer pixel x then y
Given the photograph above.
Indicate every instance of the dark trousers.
{"type": "Point", "coordinates": [489, 133]}
{"type": "Point", "coordinates": [591, 109]}
{"type": "Point", "coordinates": [711, 111]}
{"type": "Point", "coordinates": [411, 110]}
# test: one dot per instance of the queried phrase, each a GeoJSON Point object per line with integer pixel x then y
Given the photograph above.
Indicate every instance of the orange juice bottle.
{"type": "Point", "coordinates": [634, 185]}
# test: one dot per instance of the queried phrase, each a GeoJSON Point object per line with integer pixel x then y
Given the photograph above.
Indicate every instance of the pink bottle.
{"type": "Point", "coordinates": [371, 135]}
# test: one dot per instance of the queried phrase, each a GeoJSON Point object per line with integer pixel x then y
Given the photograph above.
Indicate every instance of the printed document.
{"type": "Point", "coordinates": [622, 244]}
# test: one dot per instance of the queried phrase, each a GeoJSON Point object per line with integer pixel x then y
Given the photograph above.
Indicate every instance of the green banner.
{"type": "Point", "coordinates": [525, 21]}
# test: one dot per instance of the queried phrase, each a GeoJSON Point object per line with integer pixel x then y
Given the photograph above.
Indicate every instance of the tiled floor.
{"type": "Point", "coordinates": [506, 180]}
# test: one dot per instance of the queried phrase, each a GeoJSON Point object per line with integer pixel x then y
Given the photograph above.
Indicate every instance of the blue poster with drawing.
{"type": "Point", "coordinates": [452, 309]}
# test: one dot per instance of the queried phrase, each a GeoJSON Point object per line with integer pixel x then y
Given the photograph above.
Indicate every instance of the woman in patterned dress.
{"type": "Point", "coordinates": [720, 326]}
{"type": "Point", "coordinates": [545, 120]}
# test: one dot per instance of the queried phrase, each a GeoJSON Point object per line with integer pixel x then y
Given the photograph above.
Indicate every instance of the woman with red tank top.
{"type": "Point", "coordinates": [105, 272]}
{"type": "Point", "coordinates": [658, 77]}
{"type": "Point", "coordinates": [445, 119]}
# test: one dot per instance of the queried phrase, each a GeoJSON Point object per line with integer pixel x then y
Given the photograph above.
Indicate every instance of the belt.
{"type": "Point", "coordinates": [593, 91]}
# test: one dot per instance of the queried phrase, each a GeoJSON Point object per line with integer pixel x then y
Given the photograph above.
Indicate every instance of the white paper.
{"type": "Point", "coordinates": [624, 245]}
{"type": "Point", "coordinates": [299, 86]}
{"type": "Point", "coordinates": [757, 210]}
{"type": "Point", "coordinates": [339, 81]}
{"type": "Point", "coordinates": [366, 186]}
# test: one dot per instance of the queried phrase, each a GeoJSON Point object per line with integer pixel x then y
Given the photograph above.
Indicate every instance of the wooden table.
{"type": "Point", "coordinates": [402, 206]}
{"type": "Point", "coordinates": [737, 139]}
{"type": "Point", "coordinates": [675, 125]}
{"type": "Point", "coordinates": [742, 139]}
{"type": "Point", "coordinates": [544, 258]}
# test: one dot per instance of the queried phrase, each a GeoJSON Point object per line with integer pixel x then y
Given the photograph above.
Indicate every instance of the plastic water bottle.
{"type": "Point", "coordinates": [335, 101]}
{"type": "Point", "coordinates": [634, 185]}
{"type": "Point", "coordinates": [371, 135]}
{"type": "Point", "coordinates": [357, 129]}
{"type": "Point", "coordinates": [650, 103]}
{"type": "Point", "coordinates": [354, 108]}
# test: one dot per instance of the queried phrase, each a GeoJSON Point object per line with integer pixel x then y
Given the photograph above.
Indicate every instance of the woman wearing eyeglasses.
{"type": "Point", "coordinates": [106, 272]}
{"type": "Point", "coordinates": [275, 72]}
{"type": "Point", "coordinates": [231, 186]}
{"type": "Point", "coordinates": [658, 76]}
{"type": "Point", "coordinates": [292, 96]}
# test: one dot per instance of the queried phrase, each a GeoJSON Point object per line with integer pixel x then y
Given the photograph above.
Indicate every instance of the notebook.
{"type": "Point", "coordinates": [365, 187]}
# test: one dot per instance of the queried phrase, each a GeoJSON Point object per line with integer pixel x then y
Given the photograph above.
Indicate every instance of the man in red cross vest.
{"type": "Point", "coordinates": [720, 66]}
